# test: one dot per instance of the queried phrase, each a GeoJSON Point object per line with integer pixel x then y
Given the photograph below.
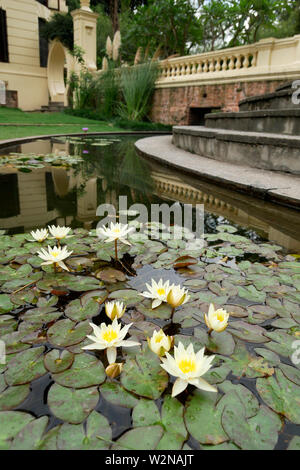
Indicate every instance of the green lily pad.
{"type": "Point", "coordinates": [242, 363]}
{"type": "Point", "coordinates": [144, 376]}
{"type": "Point", "coordinates": [173, 422]}
{"type": "Point", "coordinates": [25, 367]}
{"type": "Point", "coordinates": [141, 438]}
{"type": "Point", "coordinates": [85, 371]}
{"type": "Point", "coordinates": [257, 433]}
{"type": "Point", "coordinates": [72, 406]}
{"type": "Point", "coordinates": [115, 394]}
{"type": "Point", "coordinates": [145, 413]}
{"type": "Point", "coordinates": [291, 373]}
{"type": "Point", "coordinates": [294, 444]}
{"type": "Point", "coordinates": [96, 435]}
{"type": "Point", "coordinates": [203, 418]}
{"type": "Point", "coordinates": [246, 332]}
{"type": "Point", "coordinates": [129, 296]}
{"type": "Point", "coordinates": [11, 423]}
{"type": "Point", "coordinates": [30, 437]}
{"type": "Point", "coordinates": [57, 361]}
{"type": "Point", "coordinates": [5, 304]}
{"type": "Point", "coordinates": [77, 311]}
{"type": "Point", "coordinates": [13, 397]}
{"type": "Point", "coordinates": [250, 293]}
{"type": "Point", "coordinates": [65, 333]}
{"type": "Point", "coordinates": [49, 439]}
{"type": "Point", "coordinates": [282, 395]}
{"type": "Point", "coordinates": [164, 311]}
{"type": "Point", "coordinates": [13, 342]}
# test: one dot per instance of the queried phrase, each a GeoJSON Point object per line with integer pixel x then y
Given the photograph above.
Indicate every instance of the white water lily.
{"type": "Point", "coordinates": [188, 367]}
{"type": "Point", "coordinates": [110, 337]}
{"type": "Point", "coordinates": [55, 256]}
{"type": "Point", "coordinates": [160, 343]}
{"type": "Point", "coordinates": [216, 320]}
{"type": "Point", "coordinates": [157, 291]}
{"type": "Point", "coordinates": [114, 309]}
{"type": "Point", "coordinates": [39, 235]}
{"type": "Point", "coordinates": [177, 296]}
{"type": "Point", "coordinates": [115, 232]}
{"type": "Point", "coordinates": [59, 232]}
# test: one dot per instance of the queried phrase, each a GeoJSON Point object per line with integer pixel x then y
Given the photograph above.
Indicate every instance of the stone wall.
{"type": "Point", "coordinates": [172, 105]}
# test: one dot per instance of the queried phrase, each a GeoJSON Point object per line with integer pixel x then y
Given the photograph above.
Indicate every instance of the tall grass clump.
{"type": "Point", "coordinates": [137, 85]}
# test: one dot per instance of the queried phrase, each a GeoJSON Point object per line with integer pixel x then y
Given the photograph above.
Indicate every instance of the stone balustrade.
{"type": "Point", "coordinates": [268, 59]}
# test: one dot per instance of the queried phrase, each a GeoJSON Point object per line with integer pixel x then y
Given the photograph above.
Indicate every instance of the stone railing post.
{"type": "Point", "coordinates": [85, 34]}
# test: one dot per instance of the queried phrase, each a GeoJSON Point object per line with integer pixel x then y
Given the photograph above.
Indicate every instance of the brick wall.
{"type": "Point", "coordinates": [171, 105]}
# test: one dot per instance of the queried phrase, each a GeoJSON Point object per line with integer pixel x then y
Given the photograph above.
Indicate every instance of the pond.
{"type": "Point", "coordinates": [55, 395]}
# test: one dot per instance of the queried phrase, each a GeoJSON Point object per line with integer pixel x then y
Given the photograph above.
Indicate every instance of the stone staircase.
{"type": "Point", "coordinates": [264, 134]}
{"type": "Point", "coordinates": [54, 106]}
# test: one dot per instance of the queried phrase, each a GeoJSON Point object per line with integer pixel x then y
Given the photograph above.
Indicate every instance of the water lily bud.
{"type": "Point", "coordinates": [216, 320]}
{"type": "Point", "coordinates": [160, 343]}
{"type": "Point", "coordinates": [177, 296]}
{"type": "Point", "coordinates": [114, 370]}
{"type": "Point", "coordinates": [114, 309]}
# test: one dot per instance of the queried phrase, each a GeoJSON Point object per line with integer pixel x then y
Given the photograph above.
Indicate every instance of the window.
{"type": "Point", "coordinates": [43, 45]}
{"type": "Point", "coordinates": [3, 37]}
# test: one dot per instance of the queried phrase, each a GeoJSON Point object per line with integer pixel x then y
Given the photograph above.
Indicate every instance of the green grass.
{"type": "Point", "coordinates": [52, 123]}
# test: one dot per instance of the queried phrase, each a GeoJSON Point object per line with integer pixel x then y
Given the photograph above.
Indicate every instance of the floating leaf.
{"type": "Point", "coordinates": [96, 435]}
{"type": "Point", "coordinates": [30, 437]}
{"type": "Point", "coordinates": [57, 361]}
{"type": "Point", "coordinates": [144, 376]}
{"type": "Point", "coordinates": [85, 371]}
{"type": "Point", "coordinates": [142, 438]}
{"type": "Point", "coordinates": [72, 406]}
{"type": "Point", "coordinates": [117, 395]}
{"type": "Point", "coordinates": [77, 311]}
{"type": "Point", "coordinates": [66, 333]}
{"type": "Point", "coordinates": [282, 395]}
{"type": "Point", "coordinates": [11, 423]}
{"type": "Point", "coordinates": [25, 367]}
{"type": "Point", "coordinates": [13, 397]}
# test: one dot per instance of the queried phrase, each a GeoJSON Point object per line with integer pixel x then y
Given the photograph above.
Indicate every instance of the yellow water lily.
{"type": "Point", "coordinates": [158, 291]}
{"type": "Point", "coordinates": [114, 233]}
{"type": "Point", "coordinates": [177, 296]}
{"type": "Point", "coordinates": [110, 337]}
{"type": "Point", "coordinates": [114, 309]}
{"type": "Point", "coordinates": [216, 320]}
{"type": "Point", "coordinates": [160, 343]}
{"type": "Point", "coordinates": [188, 367]}
{"type": "Point", "coordinates": [39, 235]}
{"type": "Point", "coordinates": [55, 256]}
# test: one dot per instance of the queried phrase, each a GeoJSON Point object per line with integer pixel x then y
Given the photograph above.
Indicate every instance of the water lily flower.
{"type": "Point", "coordinates": [39, 235]}
{"type": "Point", "coordinates": [59, 232]}
{"type": "Point", "coordinates": [216, 320]}
{"type": "Point", "coordinates": [177, 296]}
{"type": "Point", "coordinates": [110, 337]}
{"type": "Point", "coordinates": [114, 233]}
{"type": "Point", "coordinates": [55, 256]}
{"type": "Point", "coordinates": [114, 309]}
{"type": "Point", "coordinates": [160, 343]}
{"type": "Point", "coordinates": [158, 291]}
{"type": "Point", "coordinates": [188, 367]}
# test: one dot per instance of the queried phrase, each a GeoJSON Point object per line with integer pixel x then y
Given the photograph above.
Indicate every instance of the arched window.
{"type": "Point", "coordinates": [3, 37]}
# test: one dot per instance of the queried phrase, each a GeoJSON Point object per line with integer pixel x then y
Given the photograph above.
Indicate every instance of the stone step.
{"type": "Point", "coordinates": [281, 99]}
{"type": "Point", "coordinates": [281, 121]}
{"type": "Point", "coordinates": [263, 150]}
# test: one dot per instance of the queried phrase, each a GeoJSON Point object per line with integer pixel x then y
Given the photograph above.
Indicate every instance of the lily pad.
{"type": "Point", "coordinates": [282, 395]}
{"type": "Point", "coordinates": [77, 311]}
{"type": "Point", "coordinates": [65, 333]}
{"type": "Point", "coordinates": [11, 423]}
{"type": "Point", "coordinates": [57, 361]}
{"type": "Point", "coordinates": [13, 397]}
{"type": "Point", "coordinates": [85, 371]}
{"type": "Point", "coordinates": [25, 367]}
{"type": "Point", "coordinates": [96, 435]}
{"type": "Point", "coordinates": [141, 438]}
{"type": "Point", "coordinates": [144, 376]}
{"type": "Point", "coordinates": [72, 406]}
{"type": "Point", "coordinates": [30, 437]}
{"type": "Point", "coordinates": [115, 394]}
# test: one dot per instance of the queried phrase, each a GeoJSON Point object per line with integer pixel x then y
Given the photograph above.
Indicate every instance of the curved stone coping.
{"type": "Point", "coordinates": [277, 187]}
{"type": "Point", "coordinates": [262, 138]}
{"type": "Point", "coordinates": [281, 91]}
{"type": "Point", "coordinates": [24, 140]}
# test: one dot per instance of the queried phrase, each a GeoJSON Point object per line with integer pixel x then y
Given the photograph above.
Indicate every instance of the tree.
{"type": "Point", "coordinates": [171, 25]}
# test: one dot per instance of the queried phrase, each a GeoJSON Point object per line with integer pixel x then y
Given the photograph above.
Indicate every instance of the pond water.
{"type": "Point", "coordinates": [55, 396]}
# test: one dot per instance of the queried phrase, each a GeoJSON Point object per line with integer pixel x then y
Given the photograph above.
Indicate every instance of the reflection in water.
{"type": "Point", "coordinates": [71, 197]}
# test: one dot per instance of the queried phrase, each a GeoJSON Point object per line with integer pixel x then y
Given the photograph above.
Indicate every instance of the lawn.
{"type": "Point", "coordinates": [27, 124]}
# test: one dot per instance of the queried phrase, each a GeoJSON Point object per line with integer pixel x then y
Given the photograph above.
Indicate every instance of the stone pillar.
{"type": "Point", "coordinates": [85, 34]}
